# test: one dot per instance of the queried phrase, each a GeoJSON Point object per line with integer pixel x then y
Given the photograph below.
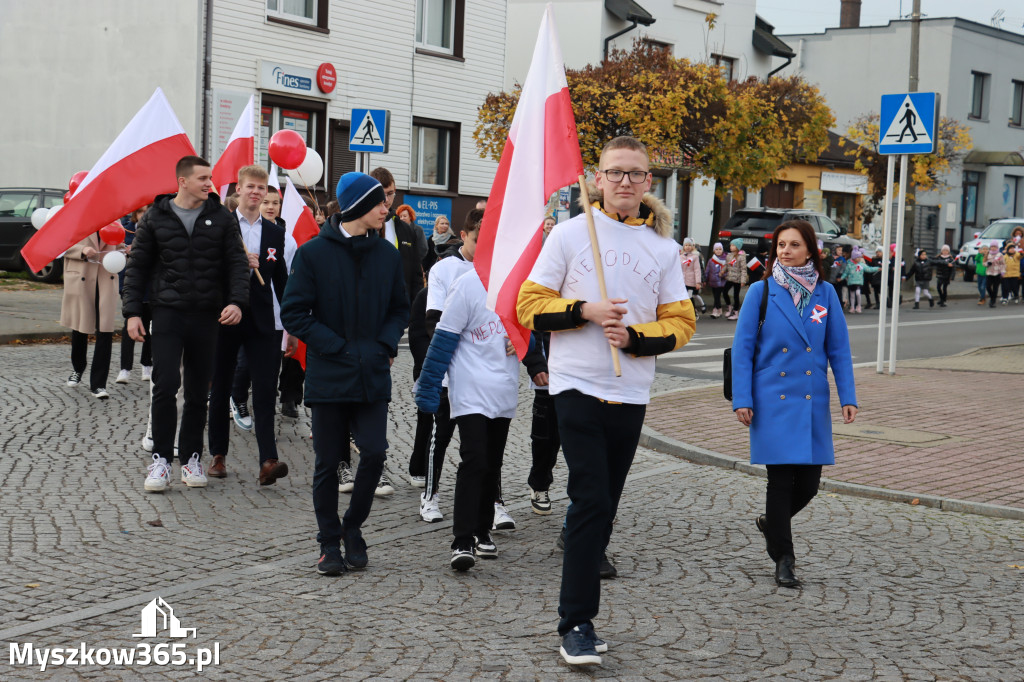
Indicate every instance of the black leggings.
{"type": "Point", "coordinates": [717, 292]}
{"type": "Point", "coordinates": [790, 488]}
{"type": "Point", "coordinates": [992, 283]}
{"type": "Point", "coordinates": [735, 288]}
{"type": "Point", "coordinates": [942, 286]}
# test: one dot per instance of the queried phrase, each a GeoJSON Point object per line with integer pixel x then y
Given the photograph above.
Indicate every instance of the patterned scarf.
{"type": "Point", "coordinates": [799, 281]}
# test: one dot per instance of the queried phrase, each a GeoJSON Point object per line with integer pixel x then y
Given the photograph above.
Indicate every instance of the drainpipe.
{"type": "Point", "coordinates": [207, 67]}
{"type": "Point", "coordinates": [613, 36]}
{"type": "Point", "coordinates": [775, 71]}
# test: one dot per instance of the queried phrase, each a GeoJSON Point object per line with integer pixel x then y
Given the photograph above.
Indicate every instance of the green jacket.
{"type": "Point", "coordinates": [979, 264]}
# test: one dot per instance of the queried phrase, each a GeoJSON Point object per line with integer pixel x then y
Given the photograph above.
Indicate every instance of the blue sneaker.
{"type": "Point", "coordinates": [355, 551]}
{"type": "Point", "coordinates": [330, 562]}
{"type": "Point", "coordinates": [578, 646]}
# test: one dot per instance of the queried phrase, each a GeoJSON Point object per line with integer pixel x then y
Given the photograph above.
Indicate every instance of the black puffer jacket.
{"type": "Point", "coordinates": [204, 272]}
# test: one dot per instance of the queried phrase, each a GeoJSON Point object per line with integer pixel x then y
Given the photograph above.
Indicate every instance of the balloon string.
{"type": "Point", "coordinates": [308, 191]}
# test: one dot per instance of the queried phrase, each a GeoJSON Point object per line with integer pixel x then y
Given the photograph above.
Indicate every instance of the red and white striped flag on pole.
{"type": "Point", "coordinates": [300, 226]}
{"type": "Point", "coordinates": [754, 264]}
{"type": "Point", "coordinates": [138, 166]}
{"type": "Point", "coordinates": [239, 152]}
{"type": "Point", "coordinates": [542, 155]}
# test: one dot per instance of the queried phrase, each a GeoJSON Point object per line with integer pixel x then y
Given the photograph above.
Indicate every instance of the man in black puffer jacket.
{"type": "Point", "coordinates": [188, 249]}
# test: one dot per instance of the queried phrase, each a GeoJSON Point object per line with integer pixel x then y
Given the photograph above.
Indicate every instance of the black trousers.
{"type": "Point", "coordinates": [100, 356]}
{"type": "Point", "coordinates": [734, 287]}
{"type": "Point", "coordinates": [427, 461]}
{"type": "Point", "coordinates": [183, 344]}
{"type": "Point", "coordinates": [263, 353]}
{"type": "Point", "coordinates": [599, 441]}
{"type": "Point", "coordinates": [942, 286]}
{"type": "Point", "coordinates": [128, 343]}
{"type": "Point", "coordinates": [717, 293]}
{"type": "Point", "coordinates": [332, 423]}
{"type": "Point", "coordinates": [544, 440]}
{"type": "Point", "coordinates": [482, 450]}
{"type": "Point", "coordinates": [992, 283]}
{"type": "Point", "coordinates": [1010, 286]}
{"type": "Point", "coordinates": [291, 381]}
{"type": "Point", "coordinates": [790, 488]}
{"type": "Point", "coordinates": [240, 384]}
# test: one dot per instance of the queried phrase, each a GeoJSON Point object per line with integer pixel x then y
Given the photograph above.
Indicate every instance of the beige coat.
{"type": "Point", "coordinates": [82, 281]}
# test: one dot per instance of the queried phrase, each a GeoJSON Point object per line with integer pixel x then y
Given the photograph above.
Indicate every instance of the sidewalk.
{"type": "Point", "coordinates": [940, 433]}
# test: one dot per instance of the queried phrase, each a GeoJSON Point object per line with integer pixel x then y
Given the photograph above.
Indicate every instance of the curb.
{"type": "Point", "coordinates": [650, 438]}
{"type": "Point", "coordinates": [6, 339]}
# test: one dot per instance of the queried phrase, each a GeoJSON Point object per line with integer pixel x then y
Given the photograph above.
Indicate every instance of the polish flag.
{"type": "Point", "coordinates": [300, 227]}
{"type": "Point", "coordinates": [274, 181]}
{"type": "Point", "coordinates": [238, 153]}
{"type": "Point", "coordinates": [754, 264]}
{"type": "Point", "coordinates": [542, 155]}
{"type": "Point", "coordinates": [138, 166]}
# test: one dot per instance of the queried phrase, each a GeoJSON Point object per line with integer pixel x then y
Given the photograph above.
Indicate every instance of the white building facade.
{"type": "Point", "coordinates": [740, 42]}
{"type": "Point", "coordinates": [308, 63]}
{"type": "Point", "coordinates": [978, 72]}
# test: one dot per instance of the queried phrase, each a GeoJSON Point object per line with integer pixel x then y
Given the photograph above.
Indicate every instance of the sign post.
{"type": "Point", "coordinates": [908, 124]}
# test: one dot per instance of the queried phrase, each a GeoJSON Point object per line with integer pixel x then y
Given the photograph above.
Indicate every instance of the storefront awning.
{"type": "Point", "coordinates": [628, 10]}
{"type": "Point", "coordinates": [994, 158]}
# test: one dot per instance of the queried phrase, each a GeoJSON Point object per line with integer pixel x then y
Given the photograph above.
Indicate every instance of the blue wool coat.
{"type": "Point", "coordinates": [785, 382]}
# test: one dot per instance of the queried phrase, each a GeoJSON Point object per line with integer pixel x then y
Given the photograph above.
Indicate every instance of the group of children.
{"type": "Point", "coordinates": [725, 273]}
{"type": "Point", "coordinates": [995, 266]}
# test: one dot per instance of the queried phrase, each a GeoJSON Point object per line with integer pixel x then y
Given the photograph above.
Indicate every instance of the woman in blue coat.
{"type": "Point", "coordinates": [780, 382]}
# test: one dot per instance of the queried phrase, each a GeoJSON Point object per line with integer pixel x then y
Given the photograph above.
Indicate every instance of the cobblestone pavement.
{"type": "Point", "coordinates": [892, 592]}
{"type": "Point", "coordinates": [934, 428]}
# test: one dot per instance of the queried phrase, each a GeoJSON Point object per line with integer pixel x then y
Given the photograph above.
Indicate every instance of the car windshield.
{"type": "Point", "coordinates": [754, 223]}
{"type": "Point", "coordinates": [1001, 230]}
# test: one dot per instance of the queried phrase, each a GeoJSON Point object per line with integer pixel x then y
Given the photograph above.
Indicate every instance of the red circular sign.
{"type": "Point", "coordinates": [326, 77]}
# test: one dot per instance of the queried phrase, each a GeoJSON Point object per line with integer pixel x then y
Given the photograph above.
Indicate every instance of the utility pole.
{"type": "Point", "coordinates": [907, 247]}
{"type": "Point", "coordinates": [915, 44]}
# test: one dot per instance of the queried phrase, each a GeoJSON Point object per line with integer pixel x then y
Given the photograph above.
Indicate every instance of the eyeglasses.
{"type": "Point", "coordinates": [636, 177]}
{"type": "Point", "coordinates": [390, 195]}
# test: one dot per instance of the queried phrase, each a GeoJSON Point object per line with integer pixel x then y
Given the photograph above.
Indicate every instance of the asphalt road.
{"type": "Point", "coordinates": [924, 333]}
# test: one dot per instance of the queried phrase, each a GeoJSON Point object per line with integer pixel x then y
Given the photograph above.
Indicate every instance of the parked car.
{"type": "Point", "coordinates": [16, 206]}
{"type": "Point", "coordinates": [998, 232]}
{"type": "Point", "coordinates": [756, 225]}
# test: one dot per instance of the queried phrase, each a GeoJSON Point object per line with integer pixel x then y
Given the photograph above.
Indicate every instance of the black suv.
{"type": "Point", "coordinates": [16, 206]}
{"type": "Point", "coordinates": [756, 225]}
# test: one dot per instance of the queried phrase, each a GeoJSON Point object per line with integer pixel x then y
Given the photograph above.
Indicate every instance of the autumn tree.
{"type": "Point", "coordinates": [738, 133]}
{"type": "Point", "coordinates": [928, 172]}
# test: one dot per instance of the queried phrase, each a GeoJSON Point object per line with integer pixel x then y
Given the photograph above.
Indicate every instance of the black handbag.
{"type": "Point", "coordinates": [727, 355]}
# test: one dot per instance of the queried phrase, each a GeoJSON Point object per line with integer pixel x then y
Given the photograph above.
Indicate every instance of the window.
{"type": "Point", "coordinates": [302, 13]}
{"type": "Point", "coordinates": [1017, 104]}
{"type": "Point", "coordinates": [970, 199]}
{"type": "Point", "coordinates": [18, 204]}
{"type": "Point", "coordinates": [727, 64]}
{"type": "Point", "coordinates": [979, 93]}
{"type": "Point", "coordinates": [434, 161]}
{"type": "Point", "coordinates": [280, 113]}
{"type": "Point", "coordinates": [657, 45]}
{"type": "Point", "coordinates": [439, 26]}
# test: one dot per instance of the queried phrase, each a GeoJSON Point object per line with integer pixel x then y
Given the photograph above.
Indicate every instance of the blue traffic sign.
{"type": "Point", "coordinates": [909, 123]}
{"type": "Point", "coordinates": [369, 131]}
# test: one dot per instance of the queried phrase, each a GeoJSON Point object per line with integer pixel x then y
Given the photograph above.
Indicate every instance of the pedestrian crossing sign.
{"type": "Point", "coordinates": [909, 123]}
{"type": "Point", "coordinates": [369, 130]}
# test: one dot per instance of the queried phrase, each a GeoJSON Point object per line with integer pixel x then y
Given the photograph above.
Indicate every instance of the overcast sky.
{"type": "Point", "coordinates": [814, 16]}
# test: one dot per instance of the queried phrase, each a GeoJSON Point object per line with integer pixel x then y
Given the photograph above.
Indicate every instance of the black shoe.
{"type": "Point", "coordinates": [931, 302]}
{"type": "Point", "coordinates": [917, 304]}
{"type": "Point", "coordinates": [942, 304]}
{"type": "Point", "coordinates": [288, 409]}
{"type": "Point", "coordinates": [485, 548]}
{"type": "Point", "coordinates": [762, 525]}
{"type": "Point", "coordinates": [100, 393]}
{"type": "Point", "coordinates": [992, 304]}
{"type": "Point", "coordinates": [578, 646]}
{"type": "Point", "coordinates": [607, 568]}
{"type": "Point", "coordinates": [355, 551]}
{"type": "Point", "coordinates": [330, 562]}
{"type": "Point", "coordinates": [560, 542]}
{"type": "Point", "coordinates": [463, 559]}
{"type": "Point", "coordinates": [784, 576]}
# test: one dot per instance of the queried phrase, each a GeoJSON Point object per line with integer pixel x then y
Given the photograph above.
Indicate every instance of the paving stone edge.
{"type": "Point", "coordinates": [649, 438]}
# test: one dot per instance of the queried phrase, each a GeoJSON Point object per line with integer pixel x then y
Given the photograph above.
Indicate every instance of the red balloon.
{"type": "Point", "coordinates": [67, 196]}
{"type": "Point", "coordinates": [287, 149]}
{"type": "Point", "coordinates": [112, 234]}
{"type": "Point", "coordinates": [76, 180]}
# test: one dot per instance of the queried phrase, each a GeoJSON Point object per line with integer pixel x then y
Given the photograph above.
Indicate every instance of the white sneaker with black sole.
{"type": "Point", "coordinates": [159, 477]}
{"type": "Point", "coordinates": [540, 501]}
{"type": "Point", "coordinates": [463, 559]}
{"type": "Point", "coordinates": [123, 376]}
{"type": "Point", "coordinates": [485, 548]}
{"type": "Point", "coordinates": [100, 393]}
{"type": "Point", "coordinates": [502, 519]}
{"type": "Point", "coordinates": [75, 379]}
{"type": "Point", "coordinates": [346, 481]}
{"type": "Point", "coordinates": [430, 508]}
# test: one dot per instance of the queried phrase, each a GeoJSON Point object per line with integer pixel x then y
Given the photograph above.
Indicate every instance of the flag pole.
{"type": "Point", "coordinates": [598, 265]}
{"type": "Point", "coordinates": [256, 270]}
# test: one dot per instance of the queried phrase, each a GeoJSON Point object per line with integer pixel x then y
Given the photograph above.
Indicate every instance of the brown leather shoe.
{"type": "Point", "coordinates": [271, 471]}
{"type": "Point", "coordinates": [217, 469]}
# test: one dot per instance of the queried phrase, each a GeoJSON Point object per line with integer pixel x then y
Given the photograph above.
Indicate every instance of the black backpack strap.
{"type": "Point", "coordinates": [764, 307]}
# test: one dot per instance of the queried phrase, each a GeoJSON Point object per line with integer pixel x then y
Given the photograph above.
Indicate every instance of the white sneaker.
{"type": "Point", "coordinates": [418, 481]}
{"type": "Point", "coordinates": [147, 372]}
{"type": "Point", "coordinates": [75, 379]}
{"type": "Point", "coordinates": [240, 413]}
{"type": "Point", "coordinates": [159, 477]}
{"type": "Point", "coordinates": [502, 519]}
{"type": "Point", "coordinates": [147, 440]}
{"type": "Point", "coordinates": [384, 487]}
{"type": "Point", "coordinates": [192, 473]}
{"type": "Point", "coordinates": [123, 376]}
{"type": "Point", "coordinates": [540, 501]}
{"type": "Point", "coordinates": [429, 510]}
{"type": "Point", "coordinates": [346, 481]}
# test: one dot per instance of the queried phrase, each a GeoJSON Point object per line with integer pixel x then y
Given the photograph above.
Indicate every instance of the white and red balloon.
{"type": "Point", "coordinates": [309, 172]}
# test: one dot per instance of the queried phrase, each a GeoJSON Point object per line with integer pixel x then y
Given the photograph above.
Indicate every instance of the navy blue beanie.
{"type": "Point", "coordinates": [358, 194]}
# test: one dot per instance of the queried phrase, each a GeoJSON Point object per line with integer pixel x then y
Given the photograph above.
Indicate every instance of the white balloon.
{"type": "Point", "coordinates": [310, 170]}
{"type": "Point", "coordinates": [114, 262]}
{"type": "Point", "coordinates": [52, 212]}
{"type": "Point", "coordinates": [39, 217]}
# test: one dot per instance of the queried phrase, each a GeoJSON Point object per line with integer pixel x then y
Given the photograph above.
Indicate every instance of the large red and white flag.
{"type": "Point", "coordinates": [138, 166]}
{"type": "Point", "coordinates": [239, 152]}
{"type": "Point", "coordinates": [542, 155]}
{"type": "Point", "coordinates": [301, 226]}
